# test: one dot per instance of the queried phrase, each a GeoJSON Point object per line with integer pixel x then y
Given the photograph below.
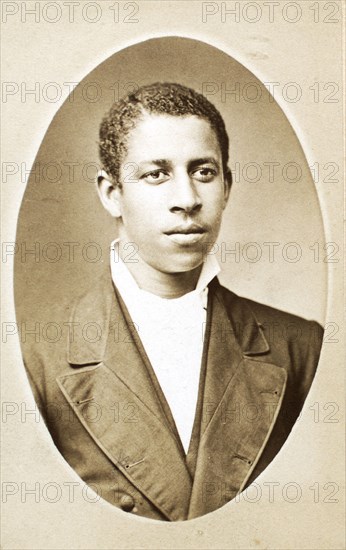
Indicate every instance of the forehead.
{"type": "Point", "coordinates": [176, 138]}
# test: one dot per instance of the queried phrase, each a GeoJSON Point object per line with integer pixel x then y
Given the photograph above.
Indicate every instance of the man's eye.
{"type": "Point", "coordinates": [205, 174]}
{"type": "Point", "coordinates": [157, 176]}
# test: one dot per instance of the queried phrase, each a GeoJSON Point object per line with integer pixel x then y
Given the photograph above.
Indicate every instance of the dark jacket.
{"type": "Point", "coordinates": [109, 418]}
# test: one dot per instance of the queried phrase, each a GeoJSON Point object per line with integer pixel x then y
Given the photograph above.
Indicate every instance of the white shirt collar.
{"type": "Point", "coordinates": [128, 287]}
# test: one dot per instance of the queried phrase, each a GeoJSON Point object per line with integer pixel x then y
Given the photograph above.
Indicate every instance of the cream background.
{"type": "Point", "coordinates": [302, 52]}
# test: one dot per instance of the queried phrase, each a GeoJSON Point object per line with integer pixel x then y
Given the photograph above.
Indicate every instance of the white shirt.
{"type": "Point", "coordinates": [171, 331]}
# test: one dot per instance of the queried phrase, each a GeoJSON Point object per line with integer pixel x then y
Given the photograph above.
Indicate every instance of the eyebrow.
{"type": "Point", "coordinates": [204, 160]}
{"type": "Point", "coordinates": [164, 163]}
{"type": "Point", "coordinates": [159, 162]}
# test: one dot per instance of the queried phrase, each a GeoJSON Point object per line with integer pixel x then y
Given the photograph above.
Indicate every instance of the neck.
{"type": "Point", "coordinates": [165, 285]}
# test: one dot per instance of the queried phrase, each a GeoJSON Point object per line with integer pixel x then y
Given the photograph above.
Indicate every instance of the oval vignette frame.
{"type": "Point", "coordinates": [60, 209]}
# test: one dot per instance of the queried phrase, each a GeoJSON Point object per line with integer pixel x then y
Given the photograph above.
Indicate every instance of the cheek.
{"type": "Point", "coordinates": [138, 216]}
{"type": "Point", "coordinates": [130, 204]}
{"type": "Point", "coordinates": [216, 202]}
{"type": "Point", "coordinates": [146, 205]}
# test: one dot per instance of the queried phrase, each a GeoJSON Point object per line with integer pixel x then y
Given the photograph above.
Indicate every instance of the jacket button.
{"type": "Point", "coordinates": [127, 503]}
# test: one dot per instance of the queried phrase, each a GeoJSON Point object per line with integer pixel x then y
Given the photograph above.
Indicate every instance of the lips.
{"type": "Point", "coordinates": [186, 235]}
{"type": "Point", "coordinates": [186, 230]}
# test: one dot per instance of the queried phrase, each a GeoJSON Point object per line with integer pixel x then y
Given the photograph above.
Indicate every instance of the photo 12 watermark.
{"type": "Point", "coordinates": [69, 12]}
{"type": "Point", "coordinates": [270, 12]}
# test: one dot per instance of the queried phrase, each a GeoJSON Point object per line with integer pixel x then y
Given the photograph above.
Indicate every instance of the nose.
{"type": "Point", "coordinates": [184, 194]}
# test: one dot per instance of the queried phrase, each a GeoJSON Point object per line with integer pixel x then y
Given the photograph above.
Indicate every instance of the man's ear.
{"type": "Point", "coordinates": [228, 184]}
{"type": "Point", "coordinates": [109, 194]}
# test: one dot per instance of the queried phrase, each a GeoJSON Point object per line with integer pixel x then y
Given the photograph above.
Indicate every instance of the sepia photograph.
{"type": "Point", "coordinates": [172, 265]}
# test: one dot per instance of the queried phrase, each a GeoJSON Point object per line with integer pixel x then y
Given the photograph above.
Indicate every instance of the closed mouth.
{"type": "Point", "coordinates": [186, 230]}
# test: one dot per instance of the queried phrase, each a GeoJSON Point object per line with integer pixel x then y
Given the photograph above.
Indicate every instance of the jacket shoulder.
{"type": "Point", "coordinates": [266, 315]}
{"type": "Point", "coordinates": [294, 342]}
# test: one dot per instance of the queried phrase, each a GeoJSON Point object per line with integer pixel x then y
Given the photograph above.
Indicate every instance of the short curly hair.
{"type": "Point", "coordinates": [165, 98]}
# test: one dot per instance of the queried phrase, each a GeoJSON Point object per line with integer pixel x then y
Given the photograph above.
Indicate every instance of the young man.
{"type": "Point", "coordinates": [175, 420]}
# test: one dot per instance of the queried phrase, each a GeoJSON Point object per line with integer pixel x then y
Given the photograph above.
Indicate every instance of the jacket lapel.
{"type": "Point", "coordinates": [242, 397]}
{"type": "Point", "coordinates": [112, 394]}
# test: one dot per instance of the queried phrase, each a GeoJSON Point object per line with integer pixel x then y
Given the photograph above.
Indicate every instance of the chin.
{"type": "Point", "coordinates": [183, 264]}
